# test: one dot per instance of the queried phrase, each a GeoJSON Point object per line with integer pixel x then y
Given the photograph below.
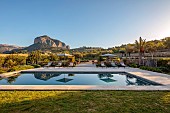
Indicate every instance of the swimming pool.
{"type": "Point", "coordinates": [70, 78]}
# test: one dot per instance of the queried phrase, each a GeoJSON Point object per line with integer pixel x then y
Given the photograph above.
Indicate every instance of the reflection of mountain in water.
{"type": "Point", "coordinates": [45, 76]}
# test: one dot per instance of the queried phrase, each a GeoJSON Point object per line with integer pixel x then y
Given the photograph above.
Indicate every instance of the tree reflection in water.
{"type": "Point", "coordinates": [1, 78]}
{"type": "Point", "coordinates": [12, 79]}
{"type": "Point", "coordinates": [71, 74]}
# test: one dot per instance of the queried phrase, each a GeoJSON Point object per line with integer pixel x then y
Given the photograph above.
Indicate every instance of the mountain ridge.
{"type": "Point", "coordinates": [43, 43]}
{"type": "Point", "coordinates": [8, 47]}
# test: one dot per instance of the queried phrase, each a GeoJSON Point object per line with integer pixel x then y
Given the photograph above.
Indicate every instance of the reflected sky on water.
{"type": "Point", "coordinates": [74, 79]}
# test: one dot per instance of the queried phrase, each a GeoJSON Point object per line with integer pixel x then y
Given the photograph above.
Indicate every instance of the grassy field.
{"type": "Point", "coordinates": [84, 102]}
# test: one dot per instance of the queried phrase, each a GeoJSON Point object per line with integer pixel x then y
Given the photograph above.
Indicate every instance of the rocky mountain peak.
{"type": "Point", "coordinates": [50, 42]}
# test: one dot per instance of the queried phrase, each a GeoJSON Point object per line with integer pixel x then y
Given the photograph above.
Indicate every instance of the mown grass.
{"type": "Point", "coordinates": [84, 102]}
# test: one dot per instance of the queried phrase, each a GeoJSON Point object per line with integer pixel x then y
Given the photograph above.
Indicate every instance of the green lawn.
{"type": "Point", "coordinates": [84, 101]}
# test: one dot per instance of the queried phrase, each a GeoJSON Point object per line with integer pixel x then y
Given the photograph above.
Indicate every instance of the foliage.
{"type": "Point", "coordinates": [85, 101]}
{"type": "Point", "coordinates": [84, 60]}
{"type": "Point", "coordinates": [1, 61]}
{"type": "Point", "coordinates": [140, 44]}
{"type": "Point", "coordinates": [4, 55]}
{"type": "Point", "coordinates": [3, 70]}
{"type": "Point", "coordinates": [125, 61]}
{"type": "Point", "coordinates": [167, 42]}
{"type": "Point", "coordinates": [42, 63]}
{"type": "Point", "coordinates": [14, 60]}
{"type": "Point", "coordinates": [159, 44]}
{"type": "Point", "coordinates": [52, 57]}
{"type": "Point", "coordinates": [151, 47]}
{"type": "Point", "coordinates": [165, 69]}
{"type": "Point", "coordinates": [133, 65]}
{"type": "Point", "coordinates": [155, 69]}
{"type": "Point", "coordinates": [163, 62]}
{"type": "Point", "coordinates": [36, 65]}
{"type": "Point", "coordinates": [78, 55]}
{"type": "Point", "coordinates": [44, 58]}
{"type": "Point", "coordinates": [20, 67]}
{"type": "Point", "coordinates": [130, 48]}
{"type": "Point", "coordinates": [163, 66]}
{"type": "Point", "coordinates": [34, 57]}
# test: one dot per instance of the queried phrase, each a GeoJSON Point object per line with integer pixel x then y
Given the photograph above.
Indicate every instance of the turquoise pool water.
{"type": "Point", "coordinates": [115, 79]}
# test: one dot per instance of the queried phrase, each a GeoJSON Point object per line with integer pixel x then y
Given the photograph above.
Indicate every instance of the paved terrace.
{"type": "Point", "coordinates": [160, 78]}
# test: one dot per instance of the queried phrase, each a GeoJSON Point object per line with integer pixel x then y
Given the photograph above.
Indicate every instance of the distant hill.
{"type": "Point", "coordinates": [7, 48]}
{"type": "Point", "coordinates": [84, 48]}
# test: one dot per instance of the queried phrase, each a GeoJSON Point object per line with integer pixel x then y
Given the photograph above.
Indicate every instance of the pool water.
{"type": "Point", "coordinates": [115, 79]}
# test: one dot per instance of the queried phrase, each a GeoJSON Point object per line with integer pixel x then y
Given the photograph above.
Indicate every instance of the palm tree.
{"type": "Point", "coordinates": [141, 48]}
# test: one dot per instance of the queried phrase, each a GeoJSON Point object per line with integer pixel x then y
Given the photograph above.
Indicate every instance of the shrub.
{"type": "Point", "coordinates": [84, 61]}
{"type": "Point", "coordinates": [3, 70]}
{"type": "Point", "coordinates": [11, 70]}
{"type": "Point", "coordinates": [20, 67]}
{"type": "Point", "coordinates": [163, 62]}
{"type": "Point", "coordinates": [133, 65]}
{"type": "Point", "coordinates": [165, 69]}
{"type": "Point", "coordinates": [34, 57]}
{"type": "Point", "coordinates": [155, 69]}
{"type": "Point", "coordinates": [14, 60]}
{"type": "Point", "coordinates": [1, 61]}
{"type": "Point", "coordinates": [125, 61]}
{"type": "Point", "coordinates": [36, 66]}
{"type": "Point", "coordinates": [42, 63]}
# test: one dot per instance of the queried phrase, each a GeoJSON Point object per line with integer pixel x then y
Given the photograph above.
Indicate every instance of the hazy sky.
{"type": "Point", "coordinates": [104, 23]}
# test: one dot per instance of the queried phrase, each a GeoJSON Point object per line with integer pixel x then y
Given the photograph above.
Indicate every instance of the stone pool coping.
{"type": "Point", "coordinates": [151, 76]}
